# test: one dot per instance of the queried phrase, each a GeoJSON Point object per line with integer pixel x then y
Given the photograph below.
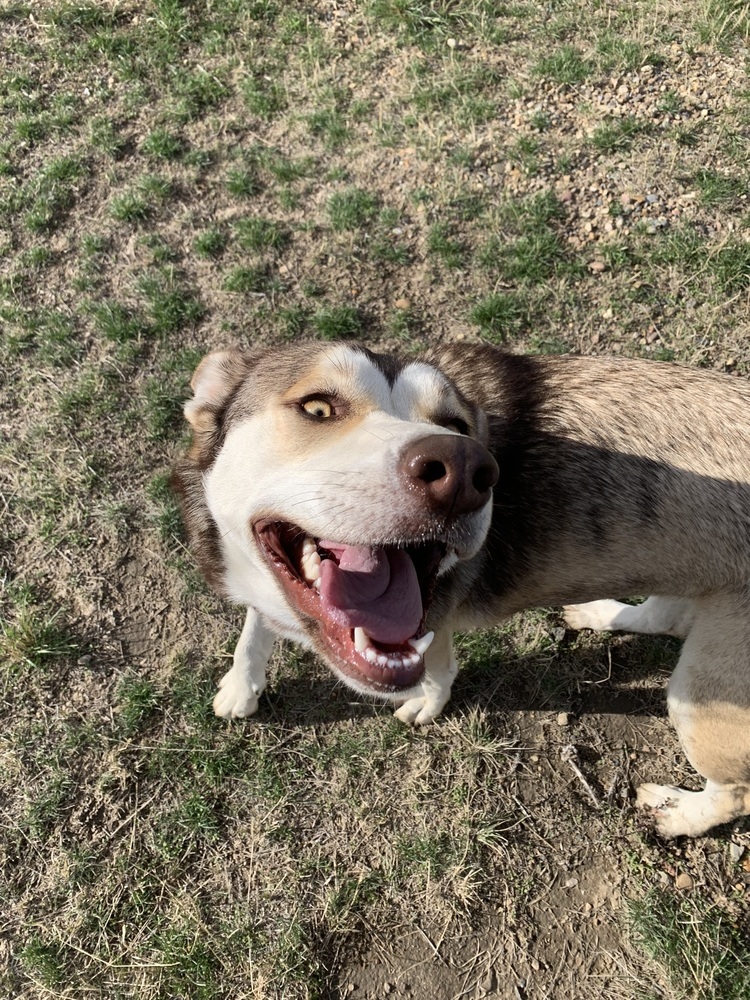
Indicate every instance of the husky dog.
{"type": "Point", "coordinates": [367, 506]}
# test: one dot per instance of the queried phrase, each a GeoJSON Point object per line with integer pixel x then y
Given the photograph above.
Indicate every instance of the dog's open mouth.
{"type": "Point", "coordinates": [370, 602]}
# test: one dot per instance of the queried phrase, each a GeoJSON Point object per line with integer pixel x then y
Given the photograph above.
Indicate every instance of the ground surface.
{"type": "Point", "coordinates": [176, 177]}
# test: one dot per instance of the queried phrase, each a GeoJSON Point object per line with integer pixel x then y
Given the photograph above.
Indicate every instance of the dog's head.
{"type": "Point", "coordinates": [327, 487]}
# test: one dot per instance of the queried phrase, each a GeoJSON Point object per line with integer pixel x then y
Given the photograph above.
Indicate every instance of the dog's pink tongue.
{"type": "Point", "coordinates": [372, 588]}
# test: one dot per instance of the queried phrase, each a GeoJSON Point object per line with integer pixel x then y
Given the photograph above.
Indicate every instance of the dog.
{"type": "Point", "coordinates": [367, 506]}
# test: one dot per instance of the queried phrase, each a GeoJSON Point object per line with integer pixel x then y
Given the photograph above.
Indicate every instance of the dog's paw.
{"type": "Point", "coordinates": [596, 615]}
{"type": "Point", "coordinates": [235, 699]}
{"type": "Point", "coordinates": [671, 810]}
{"type": "Point", "coordinates": [418, 711]}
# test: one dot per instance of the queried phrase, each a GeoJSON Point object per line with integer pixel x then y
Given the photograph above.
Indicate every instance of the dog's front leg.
{"type": "Point", "coordinates": [440, 671]}
{"type": "Point", "coordinates": [240, 687]}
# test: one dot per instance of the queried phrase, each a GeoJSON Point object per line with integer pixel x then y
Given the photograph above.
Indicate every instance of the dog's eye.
{"type": "Point", "coordinates": [454, 424]}
{"type": "Point", "coordinates": [319, 408]}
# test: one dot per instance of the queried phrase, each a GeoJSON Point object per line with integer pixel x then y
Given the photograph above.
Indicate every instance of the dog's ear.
{"type": "Point", "coordinates": [215, 381]}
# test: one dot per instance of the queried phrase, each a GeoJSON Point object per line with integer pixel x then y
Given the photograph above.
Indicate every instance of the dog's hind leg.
{"type": "Point", "coordinates": [441, 668]}
{"type": "Point", "coordinates": [709, 705]}
{"type": "Point", "coordinates": [240, 687]}
{"type": "Point", "coordinates": [655, 616]}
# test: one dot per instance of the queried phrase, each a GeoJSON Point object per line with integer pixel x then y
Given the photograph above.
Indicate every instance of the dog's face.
{"type": "Point", "coordinates": [341, 483]}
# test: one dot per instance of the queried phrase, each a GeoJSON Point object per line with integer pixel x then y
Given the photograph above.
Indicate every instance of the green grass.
{"type": "Point", "coordinates": [445, 246]}
{"type": "Point", "coordinates": [618, 134]}
{"type": "Point", "coordinates": [337, 322]}
{"type": "Point", "coordinates": [244, 182]}
{"type": "Point", "coordinates": [719, 189]}
{"type": "Point", "coordinates": [351, 209]}
{"type": "Point", "coordinates": [263, 97]}
{"type": "Point", "coordinates": [701, 952]}
{"type": "Point", "coordinates": [169, 304]}
{"type": "Point", "coordinates": [247, 280]}
{"type": "Point", "coordinates": [258, 234]}
{"type": "Point", "coordinates": [163, 144]}
{"type": "Point", "coordinates": [500, 316]}
{"type": "Point", "coordinates": [178, 178]}
{"type": "Point", "coordinates": [566, 65]}
{"type": "Point", "coordinates": [117, 323]}
{"type": "Point", "coordinates": [210, 243]}
{"type": "Point", "coordinates": [35, 636]}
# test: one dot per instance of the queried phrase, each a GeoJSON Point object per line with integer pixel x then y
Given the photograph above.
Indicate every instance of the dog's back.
{"type": "Point", "coordinates": [647, 463]}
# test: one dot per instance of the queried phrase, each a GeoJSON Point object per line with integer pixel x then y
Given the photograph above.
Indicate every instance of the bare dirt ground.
{"type": "Point", "coordinates": [175, 178]}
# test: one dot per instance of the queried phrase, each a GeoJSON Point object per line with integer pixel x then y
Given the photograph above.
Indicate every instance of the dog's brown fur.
{"type": "Point", "coordinates": [617, 477]}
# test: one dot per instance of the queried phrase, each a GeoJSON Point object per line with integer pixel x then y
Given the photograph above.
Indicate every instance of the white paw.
{"type": "Point", "coordinates": [418, 711]}
{"type": "Point", "coordinates": [671, 809]}
{"type": "Point", "coordinates": [235, 699]}
{"type": "Point", "coordinates": [597, 615]}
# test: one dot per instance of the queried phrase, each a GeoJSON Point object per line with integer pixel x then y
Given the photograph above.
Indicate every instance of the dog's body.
{"type": "Point", "coordinates": [347, 500]}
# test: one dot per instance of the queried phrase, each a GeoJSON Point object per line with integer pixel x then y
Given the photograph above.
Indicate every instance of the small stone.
{"type": "Point", "coordinates": [597, 266]}
{"type": "Point", "coordinates": [489, 983]}
{"type": "Point", "coordinates": [402, 304]}
{"type": "Point", "coordinates": [85, 660]}
{"type": "Point", "coordinates": [736, 851]}
{"type": "Point", "coordinates": [563, 719]}
{"type": "Point", "coordinates": [683, 881]}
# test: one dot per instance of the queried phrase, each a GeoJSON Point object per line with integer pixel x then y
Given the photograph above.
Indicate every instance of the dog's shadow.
{"type": "Point", "coordinates": [564, 671]}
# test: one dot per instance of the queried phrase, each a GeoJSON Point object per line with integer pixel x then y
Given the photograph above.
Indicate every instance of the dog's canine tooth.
{"type": "Point", "coordinates": [361, 639]}
{"type": "Point", "coordinates": [308, 547]}
{"type": "Point", "coordinates": [421, 646]}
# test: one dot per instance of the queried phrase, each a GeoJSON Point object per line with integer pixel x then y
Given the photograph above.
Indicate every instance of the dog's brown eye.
{"type": "Point", "coordinates": [319, 408]}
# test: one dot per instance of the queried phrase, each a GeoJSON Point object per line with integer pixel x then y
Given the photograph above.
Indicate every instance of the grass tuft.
{"type": "Point", "coordinates": [566, 65]}
{"type": "Point", "coordinates": [337, 323]}
{"type": "Point", "coordinates": [351, 209]}
{"type": "Point", "coordinates": [699, 949]}
{"type": "Point", "coordinates": [500, 316]}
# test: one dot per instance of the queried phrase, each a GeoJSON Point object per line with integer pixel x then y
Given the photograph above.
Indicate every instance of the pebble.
{"type": "Point", "coordinates": [563, 719]}
{"type": "Point", "coordinates": [402, 304]}
{"type": "Point", "coordinates": [683, 881]}
{"type": "Point", "coordinates": [736, 851]}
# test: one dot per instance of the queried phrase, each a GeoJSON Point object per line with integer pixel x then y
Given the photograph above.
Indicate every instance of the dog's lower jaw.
{"type": "Point", "coordinates": [441, 668]}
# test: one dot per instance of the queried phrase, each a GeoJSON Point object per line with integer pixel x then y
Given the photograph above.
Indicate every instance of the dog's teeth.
{"type": "Point", "coordinates": [316, 585]}
{"type": "Point", "coordinates": [310, 566]}
{"type": "Point", "coordinates": [382, 660]}
{"type": "Point", "coordinates": [370, 654]}
{"type": "Point", "coordinates": [361, 640]}
{"type": "Point", "coordinates": [308, 547]}
{"type": "Point", "coordinates": [414, 659]}
{"type": "Point", "coordinates": [421, 646]}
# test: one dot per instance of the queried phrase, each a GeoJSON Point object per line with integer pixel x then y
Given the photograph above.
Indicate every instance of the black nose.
{"type": "Point", "coordinates": [454, 474]}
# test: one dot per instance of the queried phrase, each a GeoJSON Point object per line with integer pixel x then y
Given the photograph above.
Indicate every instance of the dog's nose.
{"type": "Point", "coordinates": [454, 474]}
